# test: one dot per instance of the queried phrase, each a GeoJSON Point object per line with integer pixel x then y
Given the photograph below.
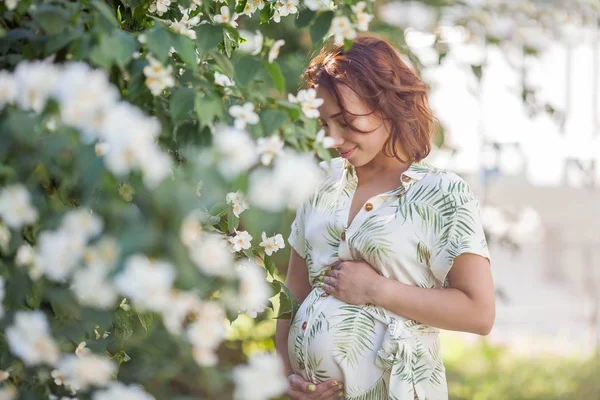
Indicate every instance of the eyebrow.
{"type": "Point", "coordinates": [337, 114]}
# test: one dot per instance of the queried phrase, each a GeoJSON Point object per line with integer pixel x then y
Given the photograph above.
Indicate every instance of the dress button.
{"type": "Point", "coordinates": [405, 178]}
{"type": "Point", "coordinates": [368, 206]}
{"type": "Point", "coordinates": [343, 236]}
{"type": "Point", "coordinates": [304, 324]}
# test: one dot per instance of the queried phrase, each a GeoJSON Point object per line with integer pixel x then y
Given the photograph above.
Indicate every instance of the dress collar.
{"type": "Point", "coordinates": [416, 171]}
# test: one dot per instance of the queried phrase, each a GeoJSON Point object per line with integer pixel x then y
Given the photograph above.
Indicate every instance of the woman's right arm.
{"type": "Point", "coordinates": [298, 284]}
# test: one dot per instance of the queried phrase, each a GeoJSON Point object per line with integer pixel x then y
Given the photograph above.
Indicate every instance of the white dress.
{"type": "Point", "coordinates": [411, 234]}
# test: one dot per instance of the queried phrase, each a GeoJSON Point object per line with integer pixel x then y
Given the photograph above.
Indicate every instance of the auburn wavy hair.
{"type": "Point", "coordinates": [374, 70]}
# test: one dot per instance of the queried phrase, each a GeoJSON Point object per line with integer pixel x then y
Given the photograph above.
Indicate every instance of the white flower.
{"type": "Point", "coordinates": [123, 305]}
{"type": "Point", "coordinates": [241, 240]}
{"type": "Point", "coordinates": [342, 29]}
{"type": "Point", "coordinates": [5, 236]}
{"type": "Point", "coordinates": [59, 378]}
{"type": "Point", "coordinates": [212, 256]}
{"type": "Point", "coordinates": [207, 332]}
{"type": "Point", "coordinates": [292, 181]}
{"type": "Point", "coordinates": [82, 222]}
{"type": "Point", "coordinates": [15, 206]}
{"type": "Point", "coordinates": [8, 89]}
{"type": "Point", "coordinates": [205, 357]}
{"type": "Point", "coordinates": [272, 244]}
{"type": "Point", "coordinates": [92, 288]}
{"type": "Point", "coordinates": [274, 52]}
{"type": "Point", "coordinates": [244, 115]}
{"type": "Point", "coordinates": [35, 82]}
{"type": "Point", "coordinates": [103, 253]}
{"type": "Point", "coordinates": [283, 8]}
{"type": "Point", "coordinates": [264, 191]}
{"type": "Point", "coordinates": [224, 81]}
{"type": "Point", "coordinates": [146, 282]}
{"type": "Point", "coordinates": [225, 17]}
{"type": "Point", "coordinates": [11, 4]}
{"type": "Point", "coordinates": [183, 27]}
{"type": "Point", "coordinates": [29, 339]}
{"type": "Point", "coordinates": [158, 78]}
{"type": "Point", "coordinates": [269, 148]}
{"type": "Point", "coordinates": [238, 202]}
{"type": "Point", "coordinates": [9, 392]}
{"type": "Point", "coordinates": [25, 255]}
{"type": "Point", "coordinates": [262, 378]}
{"type": "Point", "coordinates": [4, 375]}
{"type": "Point", "coordinates": [58, 253]}
{"type": "Point", "coordinates": [142, 38]}
{"type": "Point", "coordinates": [191, 229]}
{"type": "Point", "coordinates": [84, 96]}
{"type": "Point", "coordinates": [181, 306]}
{"type": "Point", "coordinates": [91, 370]}
{"type": "Point", "coordinates": [326, 141]}
{"type": "Point", "coordinates": [254, 42]}
{"type": "Point", "coordinates": [253, 291]}
{"type": "Point", "coordinates": [82, 350]}
{"type": "Point", "coordinates": [362, 18]}
{"type": "Point", "coordinates": [309, 101]}
{"type": "Point", "coordinates": [117, 390]}
{"type": "Point", "coordinates": [2, 293]}
{"type": "Point", "coordinates": [237, 151]}
{"type": "Point", "coordinates": [159, 6]}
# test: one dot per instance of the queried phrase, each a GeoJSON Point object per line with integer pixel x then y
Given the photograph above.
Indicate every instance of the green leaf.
{"type": "Point", "coordinates": [52, 19]}
{"type": "Point", "coordinates": [159, 42]}
{"type": "Point", "coordinates": [233, 222]}
{"type": "Point", "coordinates": [239, 8]}
{"type": "Point", "coordinates": [224, 62]}
{"type": "Point", "coordinates": [246, 69]}
{"type": "Point", "coordinates": [123, 324]}
{"type": "Point", "coordinates": [267, 13]}
{"type": "Point", "coordinates": [272, 120]}
{"type": "Point", "coordinates": [477, 71]}
{"type": "Point", "coordinates": [207, 107]}
{"type": "Point", "coordinates": [320, 26]}
{"type": "Point", "coordinates": [57, 42]}
{"type": "Point", "coordinates": [276, 75]}
{"type": "Point", "coordinates": [63, 304]}
{"type": "Point", "coordinates": [270, 265]}
{"type": "Point", "coordinates": [184, 46]}
{"type": "Point", "coordinates": [438, 139]}
{"type": "Point", "coordinates": [304, 18]}
{"type": "Point", "coordinates": [182, 104]}
{"type": "Point", "coordinates": [123, 45]}
{"type": "Point", "coordinates": [106, 12]}
{"type": "Point", "coordinates": [208, 37]}
{"type": "Point", "coordinates": [146, 320]}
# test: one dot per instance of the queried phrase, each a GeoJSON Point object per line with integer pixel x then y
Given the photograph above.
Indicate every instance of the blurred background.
{"type": "Point", "coordinates": [516, 87]}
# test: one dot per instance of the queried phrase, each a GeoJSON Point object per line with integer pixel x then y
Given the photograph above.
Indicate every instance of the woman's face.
{"type": "Point", "coordinates": [358, 148]}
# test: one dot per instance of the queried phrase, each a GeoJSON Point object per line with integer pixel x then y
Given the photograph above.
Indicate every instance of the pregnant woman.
{"type": "Point", "coordinates": [388, 250]}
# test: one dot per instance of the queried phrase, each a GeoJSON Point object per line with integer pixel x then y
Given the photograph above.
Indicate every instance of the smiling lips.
{"type": "Point", "coordinates": [346, 153]}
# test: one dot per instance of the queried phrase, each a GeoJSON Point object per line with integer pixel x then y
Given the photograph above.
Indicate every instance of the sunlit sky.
{"type": "Point", "coordinates": [498, 113]}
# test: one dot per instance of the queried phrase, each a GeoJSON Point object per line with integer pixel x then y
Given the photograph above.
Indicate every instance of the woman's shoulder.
{"type": "Point", "coordinates": [444, 183]}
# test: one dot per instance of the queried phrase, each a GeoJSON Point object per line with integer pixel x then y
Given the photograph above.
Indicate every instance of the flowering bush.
{"type": "Point", "coordinates": [149, 151]}
{"type": "Point", "coordinates": [135, 134]}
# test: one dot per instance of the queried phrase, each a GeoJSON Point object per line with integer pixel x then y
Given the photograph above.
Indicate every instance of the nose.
{"type": "Point", "coordinates": [337, 137]}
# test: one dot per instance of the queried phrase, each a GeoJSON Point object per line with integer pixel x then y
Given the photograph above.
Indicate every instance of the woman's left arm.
{"type": "Point", "coordinates": [467, 305]}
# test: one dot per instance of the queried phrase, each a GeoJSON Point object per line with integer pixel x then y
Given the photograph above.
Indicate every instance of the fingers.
{"type": "Point", "coordinates": [296, 395]}
{"type": "Point", "coordinates": [299, 384]}
{"type": "Point", "coordinates": [331, 390]}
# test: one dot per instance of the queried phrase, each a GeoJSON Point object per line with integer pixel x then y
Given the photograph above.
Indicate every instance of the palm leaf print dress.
{"type": "Point", "coordinates": [412, 234]}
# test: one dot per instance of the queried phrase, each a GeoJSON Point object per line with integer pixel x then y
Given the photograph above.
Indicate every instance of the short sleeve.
{"type": "Point", "coordinates": [297, 238]}
{"type": "Point", "coordinates": [461, 232]}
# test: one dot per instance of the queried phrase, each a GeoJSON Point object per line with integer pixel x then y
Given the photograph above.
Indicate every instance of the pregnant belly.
{"type": "Point", "coordinates": [330, 339]}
